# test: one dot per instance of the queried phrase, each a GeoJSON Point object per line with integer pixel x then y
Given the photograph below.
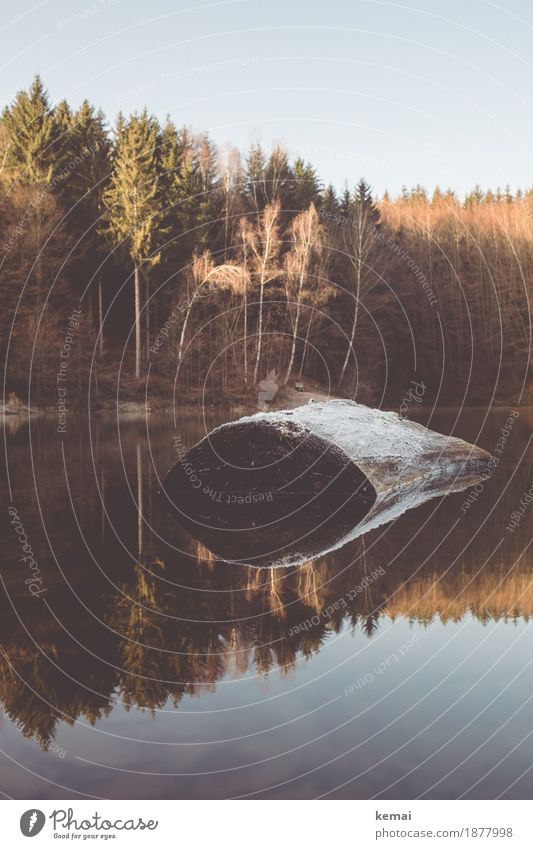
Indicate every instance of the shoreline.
{"type": "Point", "coordinates": [286, 398]}
{"type": "Point", "coordinates": [291, 400]}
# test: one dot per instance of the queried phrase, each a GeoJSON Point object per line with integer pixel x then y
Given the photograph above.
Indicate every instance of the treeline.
{"type": "Point", "coordinates": [200, 263]}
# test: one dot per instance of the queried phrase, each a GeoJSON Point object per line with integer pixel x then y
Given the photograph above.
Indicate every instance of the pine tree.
{"type": "Point", "coordinates": [360, 242]}
{"type": "Point", "coordinates": [90, 161]}
{"type": "Point", "coordinates": [305, 187]}
{"type": "Point", "coordinates": [437, 196]}
{"type": "Point", "coordinates": [86, 186]}
{"type": "Point", "coordinates": [346, 201]}
{"type": "Point", "coordinates": [171, 188]}
{"type": "Point", "coordinates": [32, 133]}
{"type": "Point", "coordinates": [330, 204]}
{"type": "Point", "coordinates": [187, 188]}
{"type": "Point", "coordinates": [418, 192]}
{"type": "Point", "coordinates": [63, 149]}
{"type": "Point", "coordinates": [278, 178]}
{"type": "Point", "coordinates": [134, 201]}
{"type": "Point", "coordinates": [363, 201]}
{"type": "Point", "coordinates": [208, 201]}
{"type": "Point", "coordinates": [475, 197]}
{"type": "Point", "coordinates": [232, 191]}
{"type": "Point", "coordinates": [254, 181]}
{"type": "Point", "coordinates": [189, 182]}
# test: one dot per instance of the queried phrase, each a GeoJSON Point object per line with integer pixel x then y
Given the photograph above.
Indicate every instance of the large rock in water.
{"type": "Point", "coordinates": [277, 489]}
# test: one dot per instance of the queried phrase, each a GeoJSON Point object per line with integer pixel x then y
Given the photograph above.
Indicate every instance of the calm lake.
{"type": "Point", "coordinates": [133, 665]}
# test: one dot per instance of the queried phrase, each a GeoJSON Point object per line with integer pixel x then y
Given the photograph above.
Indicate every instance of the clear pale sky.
{"type": "Point", "coordinates": [430, 91]}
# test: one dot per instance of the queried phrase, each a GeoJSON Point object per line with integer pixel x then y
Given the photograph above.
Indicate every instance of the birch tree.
{"type": "Point", "coordinates": [264, 248]}
{"type": "Point", "coordinates": [299, 264]}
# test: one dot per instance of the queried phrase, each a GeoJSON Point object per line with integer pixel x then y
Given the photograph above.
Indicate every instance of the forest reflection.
{"type": "Point", "coordinates": [137, 612]}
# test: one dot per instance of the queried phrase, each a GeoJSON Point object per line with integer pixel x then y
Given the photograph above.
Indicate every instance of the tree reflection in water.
{"type": "Point", "coordinates": [138, 613]}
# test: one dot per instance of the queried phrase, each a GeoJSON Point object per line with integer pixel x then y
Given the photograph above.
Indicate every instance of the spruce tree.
{"type": "Point", "coordinates": [364, 202]}
{"type": "Point", "coordinates": [329, 203]}
{"type": "Point", "coordinates": [254, 181]}
{"type": "Point", "coordinates": [476, 196]}
{"type": "Point", "coordinates": [361, 249]}
{"type": "Point", "coordinates": [64, 146]}
{"type": "Point", "coordinates": [88, 156]}
{"type": "Point", "coordinates": [346, 201]}
{"type": "Point", "coordinates": [134, 201]}
{"type": "Point", "coordinates": [231, 197]}
{"type": "Point", "coordinates": [32, 131]}
{"type": "Point", "coordinates": [278, 178]}
{"type": "Point", "coordinates": [418, 192]}
{"type": "Point", "coordinates": [208, 183]}
{"type": "Point", "coordinates": [189, 182]}
{"type": "Point", "coordinates": [86, 187]}
{"type": "Point", "coordinates": [305, 186]}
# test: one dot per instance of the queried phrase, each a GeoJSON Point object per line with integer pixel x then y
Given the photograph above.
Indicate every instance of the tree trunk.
{"type": "Point", "coordinates": [100, 316]}
{"type": "Point", "coordinates": [354, 327]}
{"type": "Point", "coordinates": [245, 335]}
{"type": "Point", "coordinates": [266, 254]}
{"type": "Point", "coordinates": [147, 310]}
{"type": "Point", "coordinates": [184, 327]}
{"type": "Point", "coordinates": [306, 343]}
{"type": "Point", "coordinates": [139, 502]}
{"type": "Point", "coordinates": [294, 337]}
{"type": "Point", "coordinates": [137, 323]}
{"type": "Point", "coordinates": [259, 333]}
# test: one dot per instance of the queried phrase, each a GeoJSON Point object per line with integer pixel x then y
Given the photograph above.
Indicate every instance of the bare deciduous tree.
{"type": "Point", "coordinates": [305, 232]}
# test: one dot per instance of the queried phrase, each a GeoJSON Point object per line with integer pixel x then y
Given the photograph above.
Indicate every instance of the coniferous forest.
{"type": "Point", "coordinates": [162, 261]}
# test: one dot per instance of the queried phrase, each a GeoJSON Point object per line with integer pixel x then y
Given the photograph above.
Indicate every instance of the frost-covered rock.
{"type": "Point", "coordinates": [281, 488]}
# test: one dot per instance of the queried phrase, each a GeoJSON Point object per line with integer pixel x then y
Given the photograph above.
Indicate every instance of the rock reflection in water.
{"type": "Point", "coordinates": [138, 614]}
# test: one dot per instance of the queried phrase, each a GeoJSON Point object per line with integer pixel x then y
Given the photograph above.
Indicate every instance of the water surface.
{"type": "Point", "coordinates": [398, 667]}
